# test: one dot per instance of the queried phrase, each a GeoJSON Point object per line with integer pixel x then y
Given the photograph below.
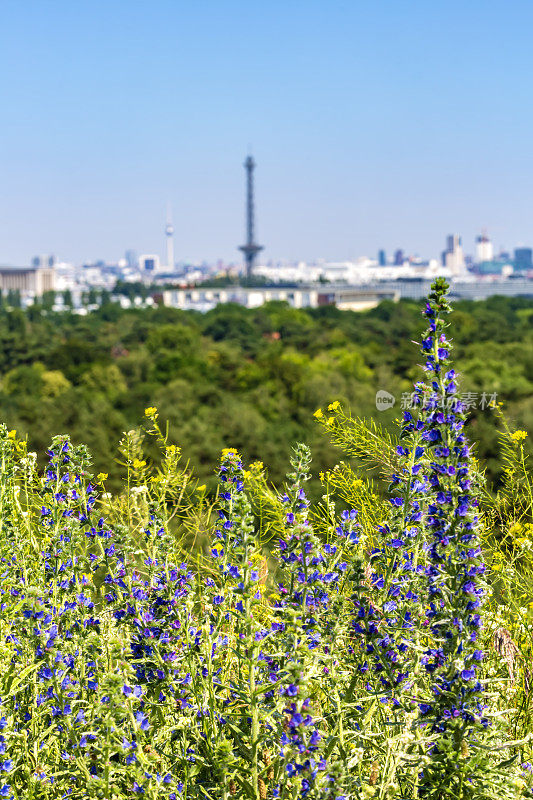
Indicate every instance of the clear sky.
{"type": "Point", "coordinates": [375, 123]}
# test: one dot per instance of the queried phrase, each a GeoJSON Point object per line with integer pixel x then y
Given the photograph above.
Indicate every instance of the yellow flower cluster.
{"type": "Point", "coordinates": [138, 464]}
{"type": "Point", "coordinates": [228, 451]}
{"type": "Point", "coordinates": [319, 414]}
{"type": "Point", "coordinates": [150, 412]}
{"type": "Point", "coordinates": [518, 436]}
{"type": "Point", "coordinates": [518, 528]}
{"type": "Point", "coordinates": [523, 541]}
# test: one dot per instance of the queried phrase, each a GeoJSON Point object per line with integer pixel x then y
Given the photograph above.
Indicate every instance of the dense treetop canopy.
{"type": "Point", "coordinates": [247, 378]}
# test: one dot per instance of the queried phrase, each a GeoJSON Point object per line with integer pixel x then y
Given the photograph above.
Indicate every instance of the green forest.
{"type": "Point", "coordinates": [249, 379]}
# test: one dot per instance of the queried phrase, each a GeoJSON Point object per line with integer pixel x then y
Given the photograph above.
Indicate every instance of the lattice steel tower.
{"type": "Point", "coordinates": [250, 249]}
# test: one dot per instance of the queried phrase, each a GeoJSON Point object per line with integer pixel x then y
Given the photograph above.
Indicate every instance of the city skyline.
{"type": "Point", "coordinates": [483, 249]}
{"type": "Point", "coordinates": [380, 255]}
{"type": "Point", "coordinates": [384, 126]}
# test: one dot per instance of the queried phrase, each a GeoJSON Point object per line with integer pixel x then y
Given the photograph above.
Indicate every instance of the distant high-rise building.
{"type": "Point", "coordinates": [398, 258]}
{"type": "Point", "coordinates": [149, 263]}
{"type": "Point", "coordinates": [131, 259]}
{"type": "Point", "coordinates": [41, 262]}
{"type": "Point", "coordinates": [523, 259]}
{"type": "Point", "coordinates": [382, 258]}
{"type": "Point", "coordinates": [453, 257]}
{"type": "Point", "coordinates": [250, 249]}
{"type": "Point", "coordinates": [484, 248]}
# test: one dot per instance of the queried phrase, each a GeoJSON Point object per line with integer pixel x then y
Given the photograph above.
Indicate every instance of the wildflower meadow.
{"type": "Point", "coordinates": [165, 643]}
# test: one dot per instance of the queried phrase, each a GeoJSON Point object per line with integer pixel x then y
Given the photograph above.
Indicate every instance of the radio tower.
{"type": "Point", "coordinates": [250, 249]}
{"type": "Point", "coordinates": [169, 231]}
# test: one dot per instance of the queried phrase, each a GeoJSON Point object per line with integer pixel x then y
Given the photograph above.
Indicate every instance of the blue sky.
{"type": "Point", "coordinates": [383, 123]}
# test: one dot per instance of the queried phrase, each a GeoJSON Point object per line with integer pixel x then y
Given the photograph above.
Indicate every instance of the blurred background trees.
{"type": "Point", "coordinates": [249, 379]}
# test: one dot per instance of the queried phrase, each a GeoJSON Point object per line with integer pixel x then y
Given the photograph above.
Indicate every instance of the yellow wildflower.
{"type": "Point", "coordinates": [101, 477]}
{"type": "Point", "coordinates": [228, 451]}
{"type": "Point", "coordinates": [318, 413]}
{"type": "Point", "coordinates": [518, 436]}
{"type": "Point", "coordinates": [12, 434]}
{"type": "Point", "coordinates": [201, 488]}
{"type": "Point", "coordinates": [334, 406]}
{"type": "Point", "coordinates": [151, 411]}
{"type": "Point", "coordinates": [330, 420]}
{"type": "Point", "coordinates": [138, 464]}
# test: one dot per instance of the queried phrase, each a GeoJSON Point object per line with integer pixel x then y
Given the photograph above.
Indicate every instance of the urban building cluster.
{"type": "Point", "coordinates": [354, 284]}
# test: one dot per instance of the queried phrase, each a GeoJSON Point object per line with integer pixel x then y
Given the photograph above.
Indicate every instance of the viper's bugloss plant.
{"type": "Point", "coordinates": [303, 624]}
{"type": "Point", "coordinates": [455, 569]}
{"type": "Point", "coordinates": [164, 644]}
